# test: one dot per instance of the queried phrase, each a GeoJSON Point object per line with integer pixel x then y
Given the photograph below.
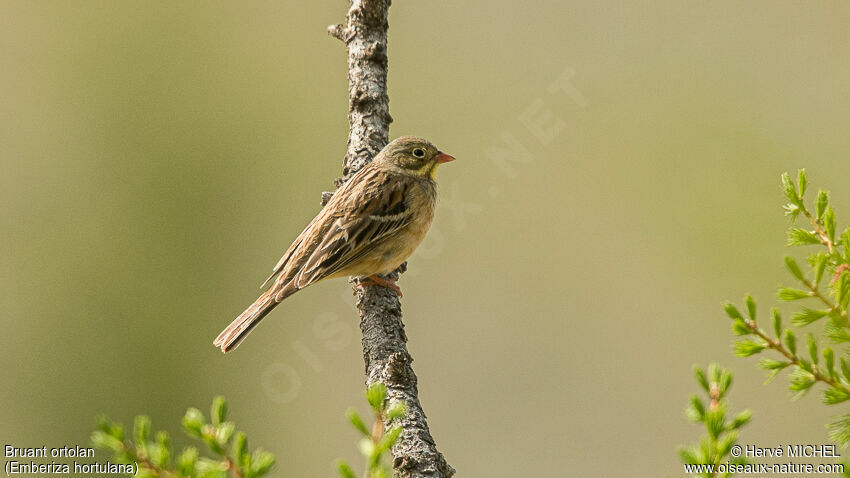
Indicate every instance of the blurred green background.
{"type": "Point", "coordinates": [158, 157]}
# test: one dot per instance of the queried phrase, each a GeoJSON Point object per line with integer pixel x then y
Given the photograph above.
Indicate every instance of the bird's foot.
{"type": "Point", "coordinates": [377, 280]}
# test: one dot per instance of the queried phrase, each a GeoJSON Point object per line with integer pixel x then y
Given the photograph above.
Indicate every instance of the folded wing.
{"type": "Point", "coordinates": [380, 209]}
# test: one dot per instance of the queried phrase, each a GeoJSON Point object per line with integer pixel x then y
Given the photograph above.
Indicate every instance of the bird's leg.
{"type": "Point", "coordinates": [378, 280]}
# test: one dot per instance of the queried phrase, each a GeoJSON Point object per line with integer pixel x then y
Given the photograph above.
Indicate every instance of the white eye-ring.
{"type": "Point", "coordinates": [419, 152]}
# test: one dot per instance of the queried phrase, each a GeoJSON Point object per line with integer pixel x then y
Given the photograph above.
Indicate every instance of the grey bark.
{"type": "Point", "coordinates": [364, 32]}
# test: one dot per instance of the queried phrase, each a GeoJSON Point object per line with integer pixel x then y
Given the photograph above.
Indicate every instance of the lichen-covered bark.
{"type": "Point", "coordinates": [385, 352]}
{"type": "Point", "coordinates": [365, 34]}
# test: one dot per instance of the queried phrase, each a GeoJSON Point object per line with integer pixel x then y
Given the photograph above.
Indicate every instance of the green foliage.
{"type": "Point", "coordinates": [375, 444]}
{"type": "Point", "coordinates": [721, 432]}
{"type": "Point", "coordinates": [824, 301]}
{"type": "Point", "coordinates": [154, 456]}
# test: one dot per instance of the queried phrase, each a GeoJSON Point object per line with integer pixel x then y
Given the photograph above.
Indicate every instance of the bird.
{"type": "Point", "coordinates": [368, 228]}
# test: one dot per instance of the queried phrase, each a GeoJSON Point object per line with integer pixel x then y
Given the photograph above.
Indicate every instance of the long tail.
{"type": "Point", "coordinates": [235, 333]}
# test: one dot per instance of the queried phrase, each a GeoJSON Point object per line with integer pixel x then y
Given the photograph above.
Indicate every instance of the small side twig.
{"type": "Point", "coordinates": [776, 345]}
{"type": "Point", "coordinates": [834, 308]}
{"type": "Point", "coordinates": [819, 230]}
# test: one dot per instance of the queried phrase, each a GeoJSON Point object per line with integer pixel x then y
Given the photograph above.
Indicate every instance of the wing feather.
{"type": "Point", "coordinates": [380, 209]}
{"type": "Point", "coordinates": [293, 259]}
{"type": "Point", "coordinates": [291, 250]}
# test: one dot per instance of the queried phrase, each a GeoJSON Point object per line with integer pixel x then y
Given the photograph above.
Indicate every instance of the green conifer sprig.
{"type": "Point", "coordinates": [154, 456]}
{"type": "Point", "coordinates": [375, 443]}
{"type": "Point", "coordinates": [721, 433]}
{"type": "Point", "coordinates": [823, 290]}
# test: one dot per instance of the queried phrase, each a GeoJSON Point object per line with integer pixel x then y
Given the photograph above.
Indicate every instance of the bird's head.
{"type": "Point", "coordinates": [415, 156]}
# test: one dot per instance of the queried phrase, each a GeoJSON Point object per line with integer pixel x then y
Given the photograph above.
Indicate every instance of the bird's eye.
{"type": "Point", "coordinates": [419, 152]}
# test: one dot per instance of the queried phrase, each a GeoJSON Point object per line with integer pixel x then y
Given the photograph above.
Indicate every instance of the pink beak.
{"type": "Point", "coordinates": [442, 157]}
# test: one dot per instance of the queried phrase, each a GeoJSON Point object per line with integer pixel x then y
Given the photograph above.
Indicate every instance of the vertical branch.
{"type": "Point", "coordinates": [385, 352]}
{"type": "Point", "coordinates": [365, 34]}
